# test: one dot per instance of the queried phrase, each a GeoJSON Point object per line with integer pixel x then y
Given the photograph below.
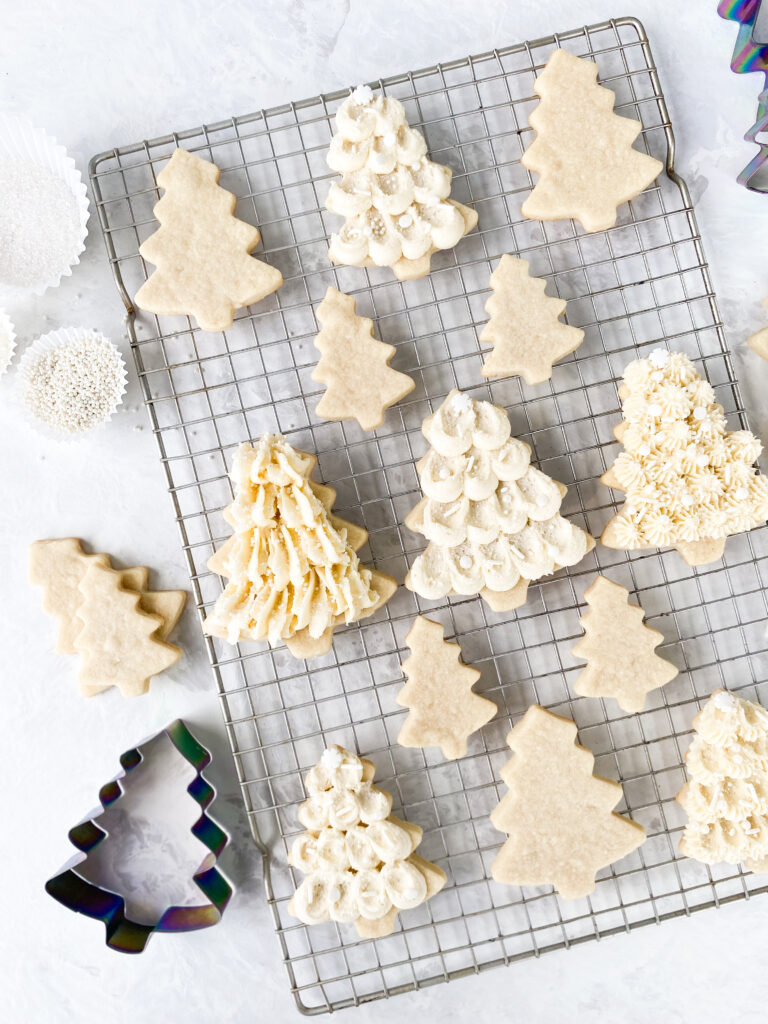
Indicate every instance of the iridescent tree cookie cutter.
{"type": "Point", "coordinates": [78, 893]}
{"type": "Point", "coordinates": [751, 54]}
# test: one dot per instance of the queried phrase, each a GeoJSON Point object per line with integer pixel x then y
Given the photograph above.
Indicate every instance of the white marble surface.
{"type": "Point", "coordinates": [95, 74]}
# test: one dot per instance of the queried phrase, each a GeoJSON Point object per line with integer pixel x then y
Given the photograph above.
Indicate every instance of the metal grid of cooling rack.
{"type": "Point", "coordinates": [644, 281]}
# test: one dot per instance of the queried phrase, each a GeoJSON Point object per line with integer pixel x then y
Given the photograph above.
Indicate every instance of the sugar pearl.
{"type": "Point", "coordinates": [465, 562]}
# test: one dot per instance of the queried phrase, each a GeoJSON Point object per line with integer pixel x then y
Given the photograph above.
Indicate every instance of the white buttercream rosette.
{"type": "Point", "coordinates": [356, 860]}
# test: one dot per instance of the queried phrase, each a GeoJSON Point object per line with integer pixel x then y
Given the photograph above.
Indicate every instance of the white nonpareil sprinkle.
{"type": "Point", "coordinates": [331, 758]}
{"type": "Point", "coordinates": [39, 225]}
{"type": "Point", "coordinates": [363, 94]}
{"type": "Point", "coordinates": [465, 562]}
{"type": "Point", "coordinates": [724, 701]}
{"type": "Point", "coordinates": [658, 358]}
{"type": "Point", "coordinates": [75, 386]}
{"type": "Point", "coordinates": [741, 494]}
{"type": "Point", "coordinates": [405, 221]}
{"type": "Point", "coordinates": [654, 409]}
{"type": "Point", "coordinates": [699, 413]}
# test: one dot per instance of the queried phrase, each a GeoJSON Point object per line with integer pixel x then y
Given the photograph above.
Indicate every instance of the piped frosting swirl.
{"type": "Point", "coordinates": [726, 797]}
{"type": "Point", "coordinates": [685, 477]}
{"type": "Point", "coordinates": [356, 858]}
{"type": "Point", "coordinates": [489, 516]}
{"type": "Point", "coordinates": [394, 199]}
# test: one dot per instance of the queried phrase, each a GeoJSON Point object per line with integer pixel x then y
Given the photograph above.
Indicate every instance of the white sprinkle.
{"type": "Point", "coordinates": [659, 358]}
{"type": "Point", "coordinates": [75, 386]}
{"type": "Point", "coordinates": [724, 701]}
{"type": "Point", "coordinates": [39, 225]}
{"type": "Point", "coordinates": [444, 473]}
{"type": "Point", "coordinates": [699, 413]}
{"type": "Point", "coordinates": [654, 409]}
{"type": "Point", "coordinates": [389, 139]}
{"type": "Point", "coordinates": [405, 220]}
{"type": "Point", "coordinates": [541, 500]}
{"type": "Point", "coordinates": [334, 894]}
{"type": "Point", "coordinates": [432, 201]}
{"type": "Point", "coordinates": [362, 95]}
{"type": "Point", "coordinates": [331, 758]}
{"type": "Point", "coordinates": [687, 499]}
{"type": "Point", "coordinates": [644, 450]}
{"type": "Point", "coordinates": [465, 562]}
{"type": "Point", "coordinates": [657, 376]}
{"type": "Point", "coordinates": [741, 494]}
{"type": "Point", "coordinates": [702, 460]}
{"type": "Point", "coordinates": [461, 402]}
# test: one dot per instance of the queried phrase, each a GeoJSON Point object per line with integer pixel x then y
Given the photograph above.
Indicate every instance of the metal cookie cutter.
{"type": "Point", "coordinates": [76, 892]}
{"type": "Point", "coordinates": [751, 54]}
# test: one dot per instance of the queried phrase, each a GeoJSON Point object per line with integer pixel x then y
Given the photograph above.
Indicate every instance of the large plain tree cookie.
{"type": "Point", "coordinates": [582, 151]}
{"type": "Point", "coordinates": [558, 815]}
{"type": "Point", "coordinates": [201, 250]}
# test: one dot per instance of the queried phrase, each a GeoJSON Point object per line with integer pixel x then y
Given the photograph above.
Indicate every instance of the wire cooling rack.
{"type": "Point", "coordinates": [642, 282]}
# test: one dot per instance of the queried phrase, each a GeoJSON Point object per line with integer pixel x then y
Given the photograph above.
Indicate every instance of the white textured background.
{"type": "Point", "coordinates": [97, 73]}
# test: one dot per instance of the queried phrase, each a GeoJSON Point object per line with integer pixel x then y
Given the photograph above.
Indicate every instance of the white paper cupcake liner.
{"type": "Point", "coordinates": [21, 142]}
{"type": "Point", "coordinates": [7, 341]}
{"type": "Point", "coordinates": [27, 388]}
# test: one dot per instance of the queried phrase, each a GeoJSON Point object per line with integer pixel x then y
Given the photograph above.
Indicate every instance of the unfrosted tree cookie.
{"type": "Point", "coordinates": [443, 710]}
{"type": "Point", "coordinates": [582, 151]}
{"type": "Point", "coordinates": [689, 482]}
{"type": "Point", "coordinates": [492, 520]}
{"type": "Point", "coordinates": [619, 649]}
{"type": "Point", "coordinates": [292, 570]}
{"type": "Point", "coordinates": [726, 796]}
{"type": "Point", "coordinates": [558, 815]}
{"type": "Point", "coordinates": [354, 366]}
{"type": "Point", "coordinates": [394, 198]}
{"type": "Point", "coordinates": [119, 643]}
{"type": "Point", "coordinates": [59, 566]}
{"type": "Point", "coordinates": [359, 860]}
{"type": "Point", "coordinates": [525, 327]}
{"type": "Point", "coordinates": [201, 250]}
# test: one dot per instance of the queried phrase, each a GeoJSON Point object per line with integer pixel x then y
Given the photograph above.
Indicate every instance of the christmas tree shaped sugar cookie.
{"type": "Point", "coordinates": [443, 709]}
{"type": "Point", "coordinates": [492, 520]}
{"type": "Point", "coordinates": [689, 482]}
{"type": "Point", "coordinates": [201, 250]}
{"type": "Point", "coordinates": [619, 649]}
{"type": "Point", "coordinates": [394, 199]}
{"type": "Point", "coordinates": [582, 151]}
{"type": "Point", "coordinates": [119, 644]}
{"type": "Point", "coordinates": [525, 328]}
{"type": "Point", "coordinates": [726, 795]}
{"type": "Point", "coordinates": [354, 365]}
{"type": "Point", "coordinates": [359, 860]}
{"type": "Point", "coordinates": [558, 815]}
{"type": "Point", "coordinates": [292, 571]}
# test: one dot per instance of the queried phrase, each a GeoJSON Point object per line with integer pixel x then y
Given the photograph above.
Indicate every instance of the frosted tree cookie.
{"type": "Point", "coordinates": [525, 327]}
{"type": "Point", "coordinates": [726, 796]}
{"type": "Point", "coordinates": [201, 250]}
{"type": "Point", "coordinates": [291, 567]}
{"type": "Point", "coordinates": [619, 649]}
{"type": "Point", "coordinates": [558, 815]}
{"type": "Point", "coordinates": [582, 151]}
{"type": "Point", "coordinates": [394, 199]}
{"type": "Point", "coordinates": [444, 711]}
{"type": "Point", "coordinates": [492, 520]}
{"type": "Point", "coordinates": [689, 482]}
{"type": "Point", "coordinates": [358, 859]}
{"type": "Point", "coordinates": [354, 366]}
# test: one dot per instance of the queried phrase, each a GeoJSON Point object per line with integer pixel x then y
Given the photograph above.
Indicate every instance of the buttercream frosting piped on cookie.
{"type": "Point", "coordinates": [394, 198]}
{"type": "Point", "coordinates": [359, 862]}
{"type": "Point", "coordinates": [726, 797]}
